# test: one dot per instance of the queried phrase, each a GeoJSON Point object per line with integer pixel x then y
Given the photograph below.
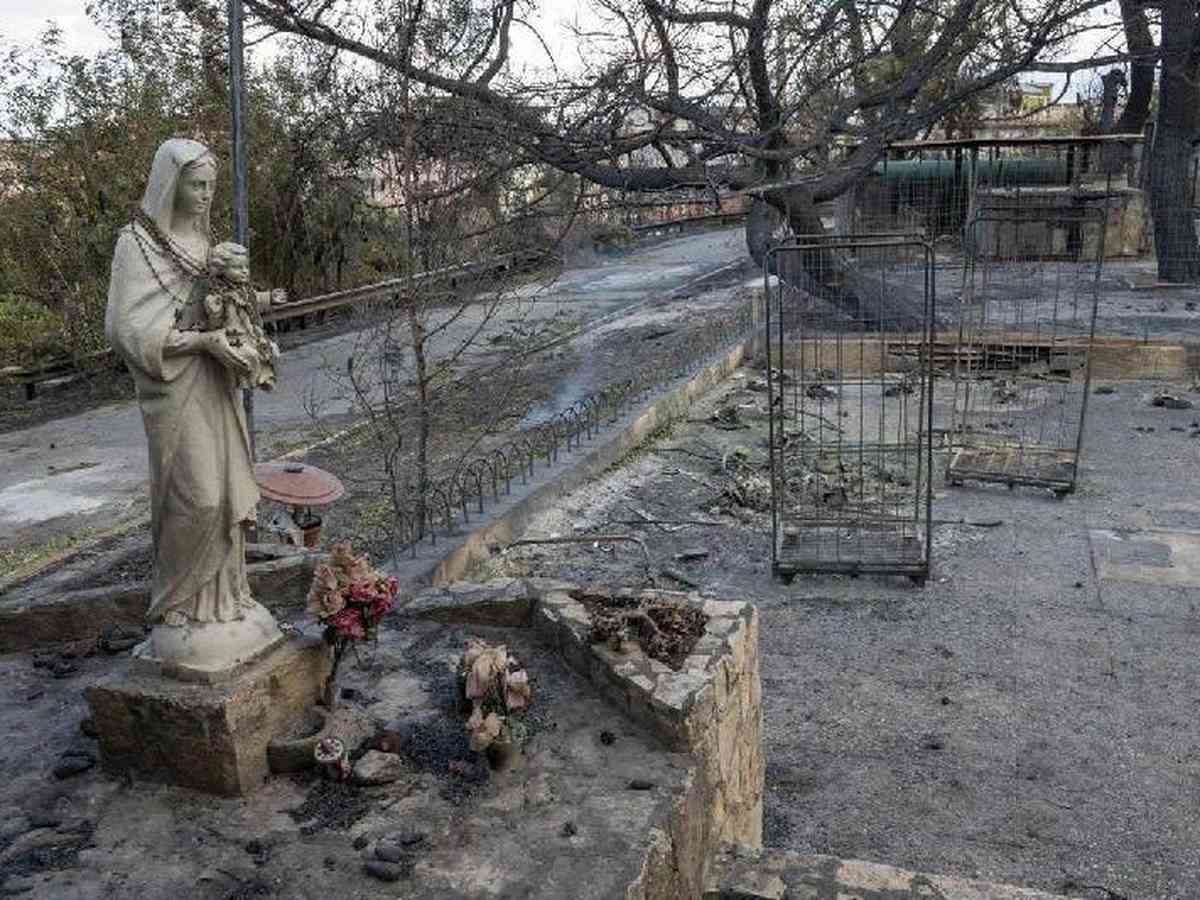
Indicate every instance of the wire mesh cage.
{"type": "Point", "coordinates": [1022, 355]}
{"type": "Point", "coordinates": [849, 325]}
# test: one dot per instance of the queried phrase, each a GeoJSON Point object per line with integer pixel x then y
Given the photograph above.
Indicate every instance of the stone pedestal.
{"type": "Point", "coordinates": [211, 737]}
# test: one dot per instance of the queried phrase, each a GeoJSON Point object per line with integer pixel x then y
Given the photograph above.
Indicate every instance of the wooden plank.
{"type": "Point", "coordinates": [1112, 358]}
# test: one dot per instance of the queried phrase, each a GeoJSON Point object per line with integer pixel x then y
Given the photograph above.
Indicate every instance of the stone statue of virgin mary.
{"type": "Point", "coordinates": [201, 473]}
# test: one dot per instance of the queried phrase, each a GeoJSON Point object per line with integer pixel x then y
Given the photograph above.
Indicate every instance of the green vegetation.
{"type": "Point", "coordinates": [28, 331]}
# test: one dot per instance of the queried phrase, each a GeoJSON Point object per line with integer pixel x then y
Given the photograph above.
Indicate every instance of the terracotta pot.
{"type": "Point", "coordinates": [331, 754]}
{"type": "Point", "coordinates": [312, 533]}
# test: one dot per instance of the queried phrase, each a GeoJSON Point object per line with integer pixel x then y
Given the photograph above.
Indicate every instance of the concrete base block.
{"type": "Point", "coordinates": [211, 737]}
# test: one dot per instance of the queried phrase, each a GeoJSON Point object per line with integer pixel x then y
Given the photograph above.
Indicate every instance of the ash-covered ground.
{"type": "Point", "coordinates": [1028, 717]}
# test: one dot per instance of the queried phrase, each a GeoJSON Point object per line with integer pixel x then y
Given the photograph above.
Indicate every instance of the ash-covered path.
{"type": "Point", "coordinates": [89, 470]}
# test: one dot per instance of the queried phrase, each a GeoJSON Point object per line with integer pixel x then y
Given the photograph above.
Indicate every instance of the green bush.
{"type": "Point", "coordinates": [29, 332]}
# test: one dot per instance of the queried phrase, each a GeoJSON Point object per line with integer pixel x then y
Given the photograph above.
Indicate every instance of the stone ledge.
{"type": "Point", "coordinates": [787, 875]}
{"type": "Point", "coordinates": [32, 615]}
{"type": "Point", "coordinates": [503, 603]}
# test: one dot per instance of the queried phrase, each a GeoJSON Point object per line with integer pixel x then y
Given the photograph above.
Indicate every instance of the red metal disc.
{"type": "Point", "coordinates": [297, 484]}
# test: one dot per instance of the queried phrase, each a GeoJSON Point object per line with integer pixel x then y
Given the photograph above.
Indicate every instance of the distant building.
{"type": "Point", "coordinates": [1029, 110]}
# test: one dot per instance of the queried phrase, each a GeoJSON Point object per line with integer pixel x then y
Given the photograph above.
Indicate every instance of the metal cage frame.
{"type": "Point", "coordinates": [836, 537]}
{"type": "Point", "coordinates": [984, 347]}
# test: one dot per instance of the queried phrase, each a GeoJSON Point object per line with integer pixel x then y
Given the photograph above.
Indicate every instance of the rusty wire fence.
{"type": "Point", "coordinates": [848, 324]}
{"type": "Point", "coordinates": [456, 499]}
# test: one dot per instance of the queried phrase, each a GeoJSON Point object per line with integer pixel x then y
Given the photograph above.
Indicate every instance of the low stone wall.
{"type": "Point", "coordinates": [780, 874]}
{"type": "Point", "coordinates": [1123, 211]}
{"type": "Point", "coordinates": [709, 709]}
{"type": "Point", "coordinates": [44, 613]}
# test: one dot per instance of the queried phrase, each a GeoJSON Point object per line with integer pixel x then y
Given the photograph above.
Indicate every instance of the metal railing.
{"type": "Point", "coordinates": [453, 499]}
{"type": "Point", "coordinates": [31, 376]}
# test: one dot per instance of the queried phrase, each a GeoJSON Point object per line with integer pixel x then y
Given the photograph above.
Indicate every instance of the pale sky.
{"type": "Point", "coordinates": [21, 21]}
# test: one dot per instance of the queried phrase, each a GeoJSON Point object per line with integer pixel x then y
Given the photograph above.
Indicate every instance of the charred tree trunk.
{"type": "Point", "coordinates": [828, 275]}
{"type": "Point", "coordinates": [424, 416]}
{"type": "Point", "coordinates": [1138, 40]}
{"type": "Point", "coordinates": [1171, 155]}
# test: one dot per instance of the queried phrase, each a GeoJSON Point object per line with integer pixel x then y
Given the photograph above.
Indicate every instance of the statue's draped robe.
{"type": "Point", "coordinates": [201, 475]}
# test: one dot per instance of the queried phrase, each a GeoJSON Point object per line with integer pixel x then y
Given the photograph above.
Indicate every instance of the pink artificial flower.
{"type": "Point", "coordinates": [349, 624]}
{"type": "Point", "coordinates": [324, 598]}
{"type": "Point", "coordinates": [380, 607]}
{"type": "Point", "coordinates": [350, 568]}
{"type": "Point", "coordinates": [516, 690]}
{"type": "Point", "coordinates": [362, 590]}
{"type": "Point", "coordinates": [482, 729]}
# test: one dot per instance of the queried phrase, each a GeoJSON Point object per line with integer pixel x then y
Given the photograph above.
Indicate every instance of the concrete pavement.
{"type": "Point", "coordinates": [90, 470]}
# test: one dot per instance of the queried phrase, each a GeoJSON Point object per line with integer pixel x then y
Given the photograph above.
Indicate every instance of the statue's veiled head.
{"type": "Point", "coordinates": [181, 182]}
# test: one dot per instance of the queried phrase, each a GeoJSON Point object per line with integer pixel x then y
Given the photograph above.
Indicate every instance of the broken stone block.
{"type": "Point", "coordinates": [377, 767]}
{"type": "Point", "coordinates": [211, 737]}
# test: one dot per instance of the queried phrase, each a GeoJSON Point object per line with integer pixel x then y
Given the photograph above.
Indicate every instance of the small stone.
{"type": "Point", "coordinates": [88, 727]}
{"type": "Point", "coordinates": [119, 638]}
{"type": "Point", "coordinates": [641, 784]}
{"type": "Point", "coordinates": [255, 848]}
{"type": "Point", "coordinates": [73, 764]}
{"type": "Point", "coordinates": [45, 818]}
{"type": "Point", "coordinates": [408, 838]}
{"type": "Point", "coordinates": [945, 701]}
{"type": "Point", "coordinates": [378, 768]}
{"type": "Point", "coordinates": [1079, 584]}
{"type": "Point", "coordinates": [331, 863]}
{"type": "Point", "coordinates": [389, 852]}
{"type": "Point", "coordinates": [361, 841]}
{"type": "Point", "coordinates": [1170, 401]}
{"type": "Point", "coordinates": [387, 871]}
{"type": "Point", "coordinates": [120, 645]}
{"type": "Point", "coordinates": [568, 829]}
{"type": "Point", "coordinates": [63, 668]}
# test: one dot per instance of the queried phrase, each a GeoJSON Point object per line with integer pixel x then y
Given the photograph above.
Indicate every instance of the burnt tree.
{"type": "Point", "coordinates": [1175, 137]}
{"type": "Point", "coordinates": [791, 102]}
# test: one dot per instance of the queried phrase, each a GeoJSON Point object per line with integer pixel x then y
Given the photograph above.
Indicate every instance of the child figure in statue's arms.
{"type": "Point", "coordinates": [232, 304]}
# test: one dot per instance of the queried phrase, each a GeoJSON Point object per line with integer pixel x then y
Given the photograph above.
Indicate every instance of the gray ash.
{"type": "Point", "coordinates": [329, 804]}
{"type": "Point", "coordinates": [47, 859]}
{"type": "Point", "coordinates": [432, 743]}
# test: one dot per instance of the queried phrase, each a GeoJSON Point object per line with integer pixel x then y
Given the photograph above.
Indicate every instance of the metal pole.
{"type": "Point", "coordinates": [237, 98]}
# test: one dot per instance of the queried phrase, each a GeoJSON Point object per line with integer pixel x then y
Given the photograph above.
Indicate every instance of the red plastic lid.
{"type": "Point", "coordinates": [297, 484]}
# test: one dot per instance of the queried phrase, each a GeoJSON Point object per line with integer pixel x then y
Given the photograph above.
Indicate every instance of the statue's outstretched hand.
{"type": "Point", "coordinates": [226, 354]}
{"type": "Point", "coordinates": [279, 297]}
